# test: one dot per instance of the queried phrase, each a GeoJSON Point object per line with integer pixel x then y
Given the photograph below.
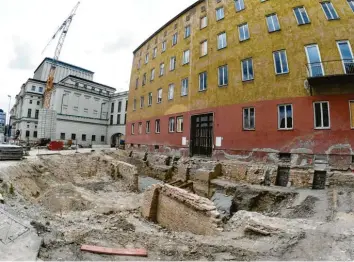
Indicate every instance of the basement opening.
{"type": "Point", "coordinates": [286, 157]}
{"type": "Point", "coordinates": [283, 176]}
{"type": "Point", "coordinates": [319, 180]}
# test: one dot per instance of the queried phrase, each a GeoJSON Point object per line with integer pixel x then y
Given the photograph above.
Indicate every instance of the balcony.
{"type": "Point", "coordinates": [333, 73]}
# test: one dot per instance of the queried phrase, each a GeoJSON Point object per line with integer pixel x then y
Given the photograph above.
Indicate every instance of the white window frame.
{"type": "Point", "coordinates": [218, 18]}
{"type": "Point", "coordinates": [351, 4]}
{"type": "Point", "coordinates": [147, 58]}
{"type": "Point", "coordinates": [242, 28]}
{"type": "Point", "coordinates": [335, 11]}
{"type": "Point", "coordinates": [222, 44]}
{"type": "Point", "coordinates": [154, 54]}
{"type": "Point", "coordinates": [152, 77]}
{"type": "Point", "coordinates": [286, 119]}
{"type": "Point", "coordinates": [132, 129]}
{"type": "Point", "coordinates": [186, 57]}
{"type": "Point", "coordinates": [314, 115]}
{"type": "Point", "coordinates": [273, 25]}
{"type": "Point", "coordinates": [223, 82]}
{"type": "Point", "coordinates": [134, 104]}
{"type": "Point", "coordinates": [301, 14]}
{"type": "Point", "coordinates": [142, 101]}
{"type": "Point", "coordinates": [243, 78]}
{"type": "Point", "coordinates": [171, 91]}
{"type": "Point", "coordinates": [150, 99]}
{"type": "Point", "coordinates": [202, 47]}
{"type": "Point", "coordinates": [203, 22]}
{"type": "Point", "coordinates": [187, 31]}
{"type": "Point", "coordinates": [179, 124]}
{"type": "Point", "coordinates": [144, 79]}
{"type": "Point", "coordinates": [341, 55]}
{"type": "Point", "coordinates": [204, 80]}
{"type": "Point", "coordinates": [174, 39]}
{"type": "Point", "coordinates": [159, 95]}
{"type": "Point", "coordinates": [172, 63]}
{"type": "Point", "coordinates": [308, 59]}
{"type": "Point", "coordinates": [157, 126]}
{"type": "Point", "coordinates": [171, 125]}
{"type": "Point", "coordinates": [248, 109]}
{"type": "Point", "coordinates": [140, 128]}
{"type": "Point", "coordinates": [184, 86]}
{"type": "Point", "coordinates": [162, 69]}
{"type": "Point", "coordinates": [147, 127]}
{"type": "Point", "coordinates": [239, 5]}
{"type": "Point", "coordinates": [278, 52]}
{"type": "Point", "coordinates": [163, 46]}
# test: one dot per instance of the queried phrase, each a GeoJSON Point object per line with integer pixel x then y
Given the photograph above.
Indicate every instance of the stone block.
{"type": "Point", "coordinates": [301, 178]}
{"type": "Point", "coordinates": [150, 202]}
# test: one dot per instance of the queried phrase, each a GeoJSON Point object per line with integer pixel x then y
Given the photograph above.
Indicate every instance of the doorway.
{"type": "Point", "coordinates": [202, 135]}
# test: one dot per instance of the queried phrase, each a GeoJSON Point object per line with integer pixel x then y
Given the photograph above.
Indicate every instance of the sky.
{"type": "Point", "coordinates": [102, 37]}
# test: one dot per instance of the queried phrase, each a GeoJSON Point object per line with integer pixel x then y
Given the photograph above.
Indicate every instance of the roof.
{"type": "Point", "coordinates": [89, 81]}
{"type": "Point", "coordinates": [168, 23]}
{"type": "Point", "coordinates": [64, 64]}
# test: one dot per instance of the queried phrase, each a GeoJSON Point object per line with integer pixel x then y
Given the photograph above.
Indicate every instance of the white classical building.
{"type": "Point", "coordinates": [87, 111]}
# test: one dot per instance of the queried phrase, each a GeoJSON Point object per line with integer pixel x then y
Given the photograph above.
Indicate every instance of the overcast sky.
{"type": "Point", "coordinates": [101, 38]}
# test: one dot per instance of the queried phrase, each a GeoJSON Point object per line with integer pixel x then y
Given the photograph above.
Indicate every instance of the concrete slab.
{"type": "Point", "coordinates": [18, 240]}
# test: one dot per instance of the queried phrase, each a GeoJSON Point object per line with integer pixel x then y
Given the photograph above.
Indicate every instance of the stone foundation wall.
{"type": "Point", "coordinates": [126, 171]}
{"type": "Point", "coordinates": [179, 210]}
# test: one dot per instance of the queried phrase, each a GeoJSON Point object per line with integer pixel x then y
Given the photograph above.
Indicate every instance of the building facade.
{"type": "Point", "coordinates": [231, 79]}
{"type": "Point", "coordinates": [83, 107]}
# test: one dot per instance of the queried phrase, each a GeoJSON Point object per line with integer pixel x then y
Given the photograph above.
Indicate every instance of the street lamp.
{"type": "Point", "coordinates": [8, 112]}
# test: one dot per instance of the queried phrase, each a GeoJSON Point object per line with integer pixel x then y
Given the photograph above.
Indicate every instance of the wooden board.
{"type": "Point", "coordinates": [115, 251]}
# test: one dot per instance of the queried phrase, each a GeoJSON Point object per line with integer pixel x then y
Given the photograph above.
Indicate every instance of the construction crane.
{"type": "Point", "coordinates": [63, 30]}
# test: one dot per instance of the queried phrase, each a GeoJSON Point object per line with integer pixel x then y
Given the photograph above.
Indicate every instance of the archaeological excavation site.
{"type": "Point", "coordinates": [165, 207]}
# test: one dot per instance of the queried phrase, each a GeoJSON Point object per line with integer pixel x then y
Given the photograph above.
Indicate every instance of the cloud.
{"type": "Point", "coordinates": [124, 41]}
{"type": "Point", "coordinates": [22, 58]}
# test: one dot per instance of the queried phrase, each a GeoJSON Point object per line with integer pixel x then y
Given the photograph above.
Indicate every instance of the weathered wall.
{"type": "Point", "coordinates": [179, 210]}
{"type": "Point", "coordinates": [127, 171]}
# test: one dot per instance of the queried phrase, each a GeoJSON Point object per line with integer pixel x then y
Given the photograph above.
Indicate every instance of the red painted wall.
{"type": "Point", "coordinates": [228, 124]}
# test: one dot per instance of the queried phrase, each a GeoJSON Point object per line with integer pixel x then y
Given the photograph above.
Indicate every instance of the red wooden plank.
{"type": "Point", "coordinates": [141, 252]}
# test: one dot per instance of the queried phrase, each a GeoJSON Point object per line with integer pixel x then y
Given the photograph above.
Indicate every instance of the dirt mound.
{"type": "Point", "coordinates": [305, 209]}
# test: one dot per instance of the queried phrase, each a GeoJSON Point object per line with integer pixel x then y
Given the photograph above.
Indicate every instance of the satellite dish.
{"type": "Point", "coordinates": [306, 84]}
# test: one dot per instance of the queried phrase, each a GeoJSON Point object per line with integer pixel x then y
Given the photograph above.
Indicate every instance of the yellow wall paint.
{"type": "Point", "coordinates": [266, 84]}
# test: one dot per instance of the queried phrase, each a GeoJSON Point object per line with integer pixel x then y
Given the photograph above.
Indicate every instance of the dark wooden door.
{"type": "Point", "coordinates": [202, 135]}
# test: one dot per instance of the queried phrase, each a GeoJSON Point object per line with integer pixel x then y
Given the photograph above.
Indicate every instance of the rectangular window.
{"type": "Point", "coordinates": [146, 58]}
{"type": "Point", "coordinates": [203, 81]}
{"type": "Point", "coordinates": [322, 117]}
{"type": "Point", "coordinates": [119, 106]}
{"type": "Point", "coordinates": [140, 128]}
{"type": "Point", "coordinates": [139, 64]}
{"type": "Point", "coordinates": [83, 137]}
{"type": "Point", "coordinates": [152, 77]}
{"type": "Point", "coordinates": [73, 136]}
{"type": "Point", "coordinates": [204, 48]}
{"type": "Point", "coordinates": [111, 120]}
{"type": "Point", "coordinates": [223, 77]}
{"type": "Point", "coordinates": [301, 15]}
{"type": "Point", "coordinates": [203, 22]}
{"type": "Point", "coordinates": [112, 108]}
{"type": "Point", "coordinates": [137, 83]}
{"type": "Point", "coordinates": [351, 4]}
{"type": "Point", "coordinates": [249, 118]}
{"type": "Point", "coordinates": [126, 105]}
{"type": "Point", "coordinates": [179, 121]}
{"type": "Point", "coordinates": [27, 133]}
{"type": "Point", "coordinates": [157, 126]}
{"type": "Point", "coordinates": [174, 39]}
{"type": "Point", "coordinates": [184, 89]}
{"type": "Point", "coordinates": [171, 89]}
{"type": "Point", "coordinates": [35, 134]}
{"type": "Point", "coordinates": [150, 99]}
{"type": "Point", "coordinates": [40, 89]}
{"type": "Point", "coordinates": [187, 31]}
{"type": "Point", "coordinates": [346, 55]}
{"type": "Point", "coordinates": [162, 69]}
{"type": "Point", "coordinates": [280, 62]}
{"type": "Point", "coordinates": [93, 138]}
{"type": "Point", "coordinates": [154, 53]}
{"type": "Point", "coordinates": [147, 127]}
{"type": "Point", "coordinates": [159, 95]}
{"type": "Point", "coordinates": [125, 118]}
{"type": "Point", "coordinates": [172, 63]}
{"type": "Point", "coordinates": [38, 103]}
{"type": "Point", "coordinates": [62, 136]}
{"type": "Point", "coordinates": [247, 69]}
{"type": "Point", "coordinates": [132, 129]}
{"type": "Point", "coordinates": [239, 5]}
{"type": "Point", "coordinates": [273, 23]}
{"type": "Point", "coordinates": [29, 113]}
{"type": "Point", "coordinates": [163, 48]}
{"type": "Point", "coordinates": [141, 102]}
{"type": "Point", "coordinates": [102, 138]}
{"type": "Point", "coordinates": [314, 66]}
{"type": "Point", "coordinates": [171, 125]}
{"type": "Point", "coordinates": [285, 117]}
{"type": "Point", "coordinates": [220, 13]}
{"type": "Point", "coordinates": [144, 79]}
{"type": "Point", "coordinates": [329, 10]}
{"type": "Point", "coordinates": [134, 104]}
{"type": "Point", "coordinates": [186, 57]}
{"type": "Point", "coordinates": [243, 32]}
{"type": "Point", "coordinates": [30, 102]}
{"type": "Point", "coordinates": [118, 119]}
{"type": "Point", "coordinates": [222, 42]}
{"type": "Point", "coordinates": [33, 88]}
{"type": "Point", "coordinates": [36, 114]}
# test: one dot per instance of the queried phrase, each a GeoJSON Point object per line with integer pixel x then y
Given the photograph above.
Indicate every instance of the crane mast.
{"type": "Point", "coordinates": [63, 30]}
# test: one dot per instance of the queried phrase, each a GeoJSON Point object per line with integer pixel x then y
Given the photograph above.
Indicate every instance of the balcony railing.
{"type": "Point", "coordinates": [331, 68]}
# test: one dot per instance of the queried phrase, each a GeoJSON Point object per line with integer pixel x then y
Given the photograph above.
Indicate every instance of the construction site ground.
{"type": "Point", "coordinates": [70, 199]}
